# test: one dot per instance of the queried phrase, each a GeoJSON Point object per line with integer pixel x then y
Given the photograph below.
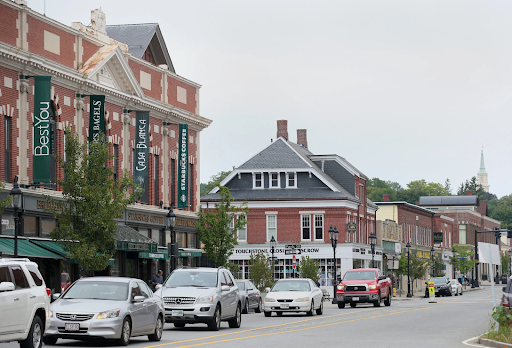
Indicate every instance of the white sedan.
{"type": "Point", "coordinates": [293, 295]}
{"type": "Point", "coordinates": [455, 287]}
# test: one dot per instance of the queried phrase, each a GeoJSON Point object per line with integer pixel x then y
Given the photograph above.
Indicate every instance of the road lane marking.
{"type": "Point", "coordinates": [281, 332]}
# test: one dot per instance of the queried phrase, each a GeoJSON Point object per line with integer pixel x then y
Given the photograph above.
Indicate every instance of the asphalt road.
{"type": "Point", "coordinates": [414, 322]}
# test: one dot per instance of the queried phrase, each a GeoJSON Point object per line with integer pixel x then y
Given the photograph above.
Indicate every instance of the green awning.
{"type": "Point", "coordinates": [53, 247]}
{"type": "Point", "coordinates": [157, 256]}
{"type": "Point", "coordinates": [190, 252]}
{"type": "Point", "coordinates": [25, 248]}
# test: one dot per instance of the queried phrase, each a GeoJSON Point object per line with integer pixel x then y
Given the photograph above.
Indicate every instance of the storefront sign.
{"type": "Point", "coordinates": [190, 253]}
{"type": "Point", "coordinates": [42, 129]}
{"type": "Point", "coordinates": [141, 160]}
{"type": "Point", "coordinates": [276, 250]}
{"type": "Point", "coordinates": [96, 117]}
{"type": "Point", "coordinates": [147, 218]}
{"type": "Point", "coordinates": [45, 205]}
{"type": "Point", "coordinates": [351, 227]}
{"type": "Point", "coordinates": [183, 167]}
{"type": "Point", "coordinates": [438, 237]}
{"type": "Point", "coordinates": [185, 222]}
{"type": "Point", "coordinates": [147, 255]}
{"type": "Point", "coordinates": [137, 246]}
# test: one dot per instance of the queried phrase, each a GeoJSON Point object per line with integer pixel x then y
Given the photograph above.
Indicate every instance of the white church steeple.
{"type": "Point", "coordinates": [482, 174]}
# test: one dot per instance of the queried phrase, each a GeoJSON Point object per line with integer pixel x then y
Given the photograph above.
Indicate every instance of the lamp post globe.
{"type": "Point", "coordinates": [408, 246]}
{"type": "Point", "coordinates": [373, 241]}
{"type": "Point", "coordinates": [16, 195]}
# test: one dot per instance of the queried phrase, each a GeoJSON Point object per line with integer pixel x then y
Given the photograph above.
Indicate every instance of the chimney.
{"type": "Point", "coordinates": [470, 193]}
{"type": "Point", "coordinates": [282, 129]}
{"type": "Point", "coordinates": [302, 137]}
{"type": "Point", "coordinates": [386, 198]}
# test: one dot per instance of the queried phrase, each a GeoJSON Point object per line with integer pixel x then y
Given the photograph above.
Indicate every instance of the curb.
{"type": "Point", "coordinates": [419, 297]}
{"type": "Point", "coordinates": [491, 343]}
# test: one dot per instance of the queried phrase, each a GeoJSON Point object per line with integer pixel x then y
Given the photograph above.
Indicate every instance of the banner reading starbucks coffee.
{"type": "Point", "coordinates": [183, 167]}
{"type": "Point", "coordinates": [141, 160]}
{"type": "Point", "coordinates": [96, 117]}
{"type": "Point", "coordinates": [42, 130]}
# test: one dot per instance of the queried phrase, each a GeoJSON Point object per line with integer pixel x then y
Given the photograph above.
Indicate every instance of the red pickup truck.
{"type": "Point", "coordinates": [364, 285]}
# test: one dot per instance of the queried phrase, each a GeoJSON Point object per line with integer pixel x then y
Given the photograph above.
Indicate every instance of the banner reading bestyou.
{"type": "Point", "coordinates": [96, 117]}
{"type": "Point", "coordinates": [141, 160]}
{"type": "Point", "coordinates": [42, 130]}
{"type": "Point", "coordinates": [183, 167]}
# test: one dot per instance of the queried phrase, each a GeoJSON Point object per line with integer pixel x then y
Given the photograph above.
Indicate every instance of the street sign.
{"type": "Point", "coordinates": [292, 252]}
{"type": "Point", "coordinates": [438, 237]}
{"type": "Point", "coordinates": [294, 262]}
{"type": "Point", "coordinates": [351, 227]}
{"type": "Point", "coordinates": [292, 246]}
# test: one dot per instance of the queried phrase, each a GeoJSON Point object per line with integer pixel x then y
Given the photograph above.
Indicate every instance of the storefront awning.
{"type": "Point", "coordinates": [129, 239]}
{"type": "Point", "coordinates": [53, 247]}
{"type": "Point", "coordinates": [190, 252]}
{"type": "Point", "coordinates": [156, 255]}
{"type": "Point", "coordinates": [25, 248]}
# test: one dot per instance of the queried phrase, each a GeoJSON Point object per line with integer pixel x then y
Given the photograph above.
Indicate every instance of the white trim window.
{"type": "Point", "coordinates": [306, 227]}
{"type": "Point", "coordinates": [274, 180]}
{"type": "Point", "coordinates": [271, 227]}
{"type": "Point", "coordinates": [319, 227]}
{"type": "Point", "coordinates": [291, 180]}
{"type": "Point", "coordinates": [241, 234]}
{"type": "Point", "coordinates": [257, 180]}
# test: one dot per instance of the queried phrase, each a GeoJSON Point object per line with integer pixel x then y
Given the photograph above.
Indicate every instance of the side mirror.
{"type": "Point", "coordinates": [158, 286]}
{"type": "Point", "coordinates": [267, 289]}
{"type": "Point", "coordinates": [138, 299]}
{"type": "Point", "coordinates": [225, 288]}
{"type": "Point", "coordinates": [6, 286]}
{"type": "Point", "coordinates": [382, 277]}
{"type": "Point", "coordinates": [56, 296]}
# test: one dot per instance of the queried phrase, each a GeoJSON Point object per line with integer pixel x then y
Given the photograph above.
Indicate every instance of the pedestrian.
{"type": "Point", "coordinates": [156, 279]}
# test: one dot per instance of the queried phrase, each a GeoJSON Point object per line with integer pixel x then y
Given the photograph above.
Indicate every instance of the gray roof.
{"type": "Point", "coordinates": [128, 234]}
{"type": "Point", "coordinates": [279, 194]}
{"type": "Point", "coordinates": [138, 37]}
{"type": "Point", "coordinates": [276, 155]}
{"type": "Point", "coordinates": [434, 201]}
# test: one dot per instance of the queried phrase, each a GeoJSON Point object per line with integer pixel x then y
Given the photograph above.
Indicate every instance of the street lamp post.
{"type": "Point", "coordinates": [408, 246]}
{"type": "Point", "coordinates": [16, 199]}
{"type": "Point", "coordinates": [272, 250]}
{"type": "Point", "coordinates": [171, 218]}
{"type": "Point", "coordinates": [373, 240]}
{"type": "Point", "coordinates": [333, 236]}
{"type": "Point", "coordinates": [454, 262]}
{"type": "Point", "coordinates": [432, 252]}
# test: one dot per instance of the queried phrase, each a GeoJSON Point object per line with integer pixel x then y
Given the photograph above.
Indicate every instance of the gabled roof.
{"type": "Point", "coordinates": [277, 155]}
{"type": "Point", "coordinates": [139, 37]}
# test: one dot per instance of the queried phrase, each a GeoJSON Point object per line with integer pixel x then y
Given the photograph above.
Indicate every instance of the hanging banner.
{"type": "Point", "coordinates": [183, 167]}
{"type": "Point", "coordinates": [42, 129]}
{"type": "Point", "coordinates": [141, 160]}
{"type": "Point", "coordinates": [96, 117]}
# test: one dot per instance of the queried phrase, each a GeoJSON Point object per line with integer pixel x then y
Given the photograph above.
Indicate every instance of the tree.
{"type": "Point", "coordinates": [418, 188]}
{"type": "Point", "coordinates": [217, 227]}
{"type": "Point", "coordinates": [260, 270]}
{"type": "Point", "coordinates": [234, 268]}
{"type": "Point", "coordinates": [418, 267]}
{"type": "Point", "coordinates": [501, 209]}
{"type": "Point", "coordinates": [448, 186]}
{"type": "Point", "coordinates": [86, 228]}
{"type": "Point", "coordinates": [474, 186]}
{"type": "Point", "coordinates": [505, 263]}
{"type": "Point", "coordinates": [462, 259]}
{"type": "Point", "coordinates": [377, 188]}
{"type": "Point", "coordinates": [214, 182]}
{"type": "Point", "coordinates": [4, 202]}
{"type": "Point", "coordinates": [308, 268]}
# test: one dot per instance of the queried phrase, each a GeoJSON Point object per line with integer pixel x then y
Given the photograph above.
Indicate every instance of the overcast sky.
{"type": "Point", "coordinates": [404, 90]}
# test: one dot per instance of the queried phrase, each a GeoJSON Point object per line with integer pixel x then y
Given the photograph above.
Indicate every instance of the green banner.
{"type": "Point", "coordinates": [42, 129]}
{"type": "Point", "coordinates": [141, 160]}
{"type": "Point", "coordinates": [183, 167]}
{"type": "Point", "coordinates": [96, 117]}
{"type": "Point", "coordinates": [438, 237]}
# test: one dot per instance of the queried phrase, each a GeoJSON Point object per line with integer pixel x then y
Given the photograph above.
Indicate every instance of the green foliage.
{"type": "Point", "coordinates": [260, 270]}
{"type": "Point", "coordinates": [462, 259]}
{"type": "Point", "coordinates": [308, 268]}
{"type": "Point", "coordinates": [505, 263]}
{"type": "Point", "coordinates": [4, 202]}
{"type": "Point", "coordinates": [502, 315]}
{"type": "Point", "coordinates": [234, 268]}
{"type": "Point", "coordinates": [214, 182]}
{"type": "Point", "coordinates": [376, 188]}
{"type": "Point", "coordinates": [501, 210]}
{"type": "Point", "coordinates": [418, 267]}
{"type": "Point", "coordinates": [217, 227]}
{"type": "Point", "coordinates": [438, 269]}
{"type": "Point", "coordinates": [472, 185]}
{"type": "Point", "coordinates": [87, 228]}
{"type": "Point", "coordinates": [418, 188]}
{"type": "Point", "coordinates": [502, 333]}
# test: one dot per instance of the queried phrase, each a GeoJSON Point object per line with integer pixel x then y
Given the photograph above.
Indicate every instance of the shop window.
{"type": "Point", "coordinates": [155, 235]}
{"type": "Point", "coordinates": [144, 232]}
{"type": "Point", "coordinates": [191, 240]}
{"type": "Point", "coordinates": [47, 226]}
{"type": "Point", "coordinates": [182, 240]}
{"type": "Point", "coordinates": [306, 227]}
{"type": "Point", "coordinates": [7, 228]}
{"type": "Point", "coordinates": [7, 148]}
{"type": "Point", "coordinates": [319, 227]}
{"type": "Point", "coordinates": [30, 226]}
{"type": "Point", "coordinates": [271, 227]}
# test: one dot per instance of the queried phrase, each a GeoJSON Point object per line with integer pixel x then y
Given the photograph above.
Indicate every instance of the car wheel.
{"type": "Point", "coordinates": [310, 312]}
{"type": "Point", "coordinates": [179, 324]}
{"type": "Point", "coordinates": [353, 304]}
{"type": "Point", "coordinates": [235, 322]}
{"type": "Point", "coordinates": [260, 305]}
{"type": "Point", "coordinates": [268, 314]}
{"type": "Point", "coordinates": [35, 335]}
{"type": "Point", "coordinates": [377, 303]}
{"type": "Point", "coordinates": [126, 331]}
{"type": "Point", "coordinates": [246, 307]}
{"type": "Point", "coordinates": [387, 301]}
{"type": "Point", "coordinates": [460, 292]}
{"type": "Point", "coordinates": [50, 340]}
{"type": "Point", "coordinates": [341, 305]}
{"type": "Point", "coordinates": [159, 327]}
{"type": "Point", "coordinates": [214, 324]}
{"type": "Point", "coordinates": [456, 292]}
{"type": "Point", "coordinates": [320, 309]}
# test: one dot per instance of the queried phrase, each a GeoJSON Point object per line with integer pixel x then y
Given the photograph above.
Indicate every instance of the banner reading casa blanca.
{"type": "Point", "coordinates": [183, 167]}
{"type": "Point", "coordinates": [42, 129]}
{"type": "Point", "coordinates": [141, 160]}
{"type": "Point", "coordinates": [97, 117]}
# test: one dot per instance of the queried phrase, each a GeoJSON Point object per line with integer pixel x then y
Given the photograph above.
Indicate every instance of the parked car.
{"type": "Point", "coordinates": [442, 287]}
{"type": "Point", "coordinates": [294, 295]}
{"type": "Point", "coordinates": [362, 285]}
{"type": "Point", "coordinates": [201, 295]}
{"type": "Point", "coordinates": [65, 281]}
{"type": "Point", "coordinates": [25, 303]}
{"type": "Point", "coordinates": [106, 307]}
{"type": "Point", "coordinates": [456, 287]}
{"type": "Point", "coordinates": [250, 296]}
{"type": "Point", "coordinates": [506, 298]}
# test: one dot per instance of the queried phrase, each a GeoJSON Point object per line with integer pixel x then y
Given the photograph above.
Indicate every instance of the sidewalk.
{"type": "Point", "coordinates": [421, 294]}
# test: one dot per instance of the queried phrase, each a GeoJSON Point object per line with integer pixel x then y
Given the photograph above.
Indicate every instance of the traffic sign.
{"type": "Point", "coordinates": [294, 262]}
{"type": "Point", "coordinates": [292, 252]}
{"type": "Point", "coordinates": [292, 246]}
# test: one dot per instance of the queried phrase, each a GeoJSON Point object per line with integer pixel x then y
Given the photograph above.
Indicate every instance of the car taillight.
{"type": "Point", "coordinates": [505, 301]}
{"type": "Point", "coordinates": [48, 291]}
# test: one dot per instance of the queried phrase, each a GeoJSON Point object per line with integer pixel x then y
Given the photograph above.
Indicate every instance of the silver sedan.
{"type": "Point", "coordinates": [455, 287]}
{"type": "Point", "coordinates": [294, 295]}
{"type": "Point", "coordinates": [106, 307]}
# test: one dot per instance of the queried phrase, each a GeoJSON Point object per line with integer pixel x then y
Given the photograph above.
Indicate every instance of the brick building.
{"type": "Point", "coordinates": [131, 66]}
{"type": "Point", "coordinates": [295, 196]}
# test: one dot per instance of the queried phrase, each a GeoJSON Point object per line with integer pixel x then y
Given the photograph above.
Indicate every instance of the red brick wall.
{"type": "Point", "coordinates": [35, 39]}
{"type": "Point", "coordinates": [89, 50]}
{"type": "Point", "coordinates": [407, 219]}
{"type": "Point", "coordinates": [172, 95]}
{"type": "Point", "coordinates": [8, 30]}
{"type": "Point", "coordinates": [8, 99]}
{"type": "Point", "coordinates": [156, 79]}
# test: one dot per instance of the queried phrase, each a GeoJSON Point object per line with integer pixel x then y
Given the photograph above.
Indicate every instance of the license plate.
{"type": "Point", "coordinates": [355, 299]}
{"type": "Point", "coordinates": [72, 327]}
{"type": "Point", "coordinates": [285, 306]}
{"type": "Point", "coordinates": [177, 313]}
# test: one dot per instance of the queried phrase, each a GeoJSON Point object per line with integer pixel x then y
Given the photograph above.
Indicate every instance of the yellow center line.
{"type": "Point", "coordinates": [282, 332]}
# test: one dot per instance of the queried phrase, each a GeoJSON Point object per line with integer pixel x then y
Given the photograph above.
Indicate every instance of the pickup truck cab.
{"type": "Point", "coordinates": [364, 285]}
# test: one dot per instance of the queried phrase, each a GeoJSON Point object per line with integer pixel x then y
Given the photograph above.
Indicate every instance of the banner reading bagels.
{"type": "Point", "coordinates": [96, 117]}
{"type": "Point", "coordinates": [183, 167]}
{"type": "Point", "coordinates": [42, 129]}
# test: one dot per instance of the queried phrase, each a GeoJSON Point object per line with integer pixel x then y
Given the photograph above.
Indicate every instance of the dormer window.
{"type": "Point", "coordinates": [291, 180]}
{"type": "Point", "coordinates": [257, 180]}
{"type": "Point", "coordinates": [274, 180]}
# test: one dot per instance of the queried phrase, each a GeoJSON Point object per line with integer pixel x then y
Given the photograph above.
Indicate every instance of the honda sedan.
{"type": "Point", "coordinates": [294, 295]}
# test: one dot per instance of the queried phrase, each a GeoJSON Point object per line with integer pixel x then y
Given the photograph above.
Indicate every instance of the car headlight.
{"type": "Point", "coordinates": [113, 313]}
{"type": "Point", "coordinates": [205, 299]}
{"type": "Point", "coordinates": [302, 299]}
{"type": "Point", "coordinates": [372, 286]}
{"type": "Point", "coordinates": [267, 299]}
{"type": "Point", "coordinates": [341, 287]}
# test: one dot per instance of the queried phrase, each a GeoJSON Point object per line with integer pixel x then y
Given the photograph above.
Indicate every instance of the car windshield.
{"type": "Point", "coordinates": [439, 280]}
{"type": "Point", "coordinates": [453, 281]}
{"type": "Point", "coordinates": [360, 275]}
{"type": "Point", "coordinates": [62, 278]}
{"type": "Point", "coordinates": [192, 278]}
{"type": "Point", "coordinates": [292, 285]}
{"type": "Point", "coordinates": [100, 290]}
{"type": "Point", "coordinates": [241, 285]}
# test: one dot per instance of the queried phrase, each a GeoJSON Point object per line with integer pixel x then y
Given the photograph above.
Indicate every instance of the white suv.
{"type": "Point", "coordinates": [25, 301]}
